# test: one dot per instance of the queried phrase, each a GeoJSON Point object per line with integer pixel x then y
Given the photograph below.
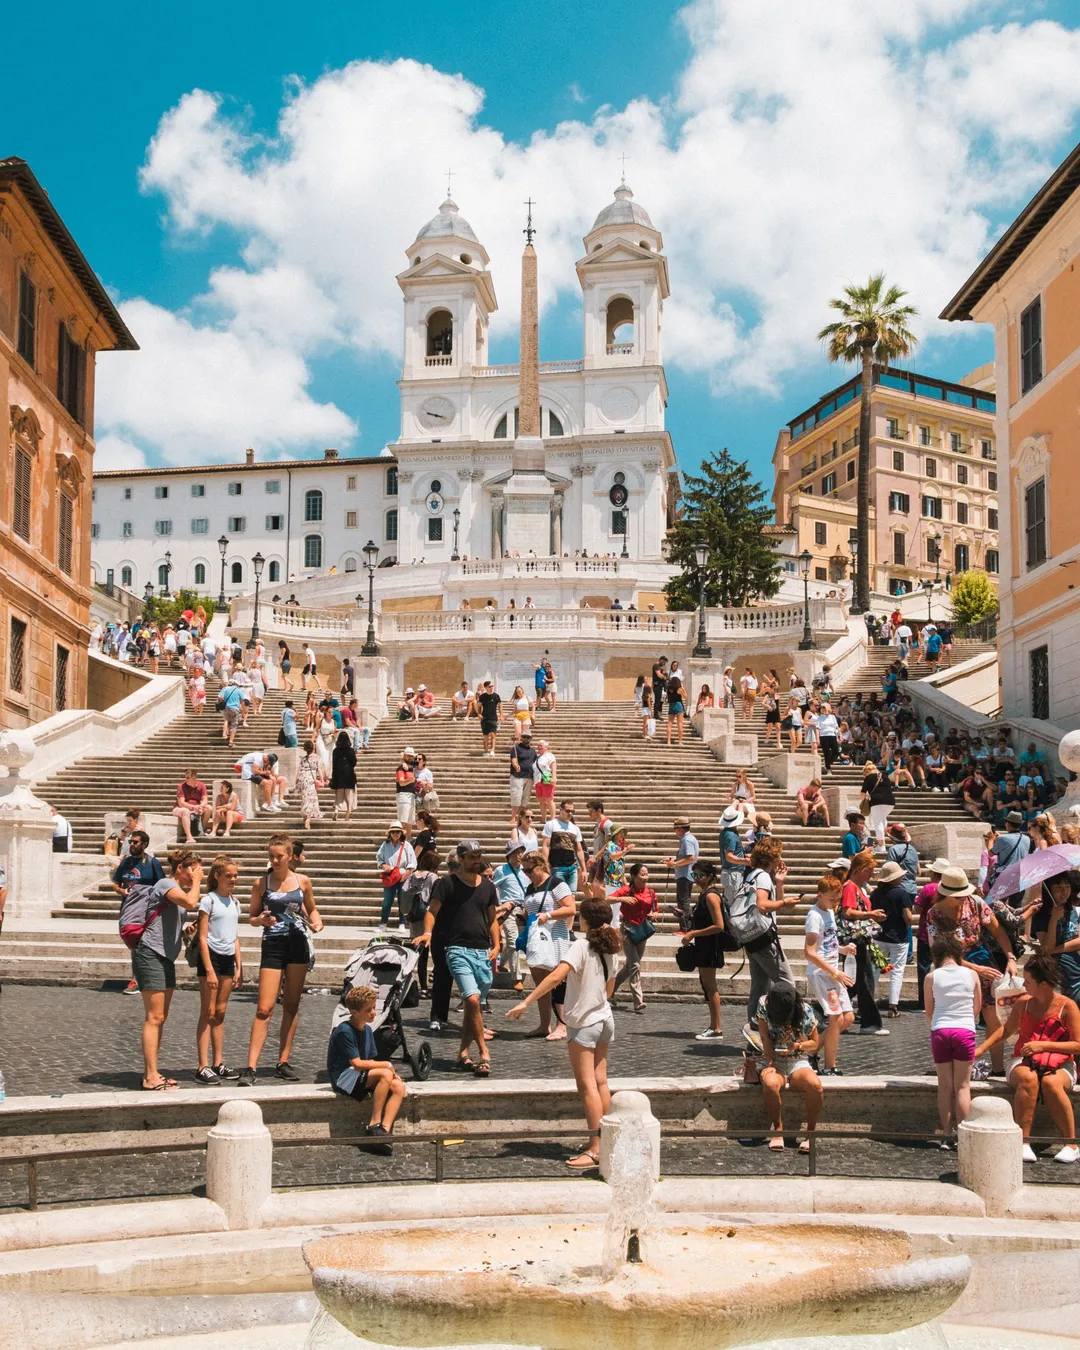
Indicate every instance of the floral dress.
{"type": "Point", "coordinates": [307, 773]}
{"type": "Point", "coordinates": [975, 915]}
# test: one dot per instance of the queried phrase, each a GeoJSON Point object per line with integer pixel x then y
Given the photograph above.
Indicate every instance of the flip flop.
{"type": "Point", "coordinates": [776, 1145]}
{"type": "Point", "coordinates": [583, 1162]}
{"type": "Point", "coordinates": [483, 1069]}
{"type": "Point", "coordinates": [804, 1146]}
{"type": "Point", "coordinates": [464, 1062]}
{"type": "Point", "coordinates": [166, 1085]}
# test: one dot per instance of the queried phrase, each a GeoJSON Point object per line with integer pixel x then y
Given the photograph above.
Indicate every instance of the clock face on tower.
{"type": "Point", "coordinates": [436, 413]}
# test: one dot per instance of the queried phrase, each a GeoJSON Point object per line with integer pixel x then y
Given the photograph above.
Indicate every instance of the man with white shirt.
{"type": "Point", "coordinates": [828, 729]}
{"type": "Point", "coordinates": [903, 639]}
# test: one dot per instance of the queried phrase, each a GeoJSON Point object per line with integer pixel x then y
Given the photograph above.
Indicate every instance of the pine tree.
{"type": "Point", "coordinates": [973, 598]}
{"type": "Point", "coordinates": [726, 508]}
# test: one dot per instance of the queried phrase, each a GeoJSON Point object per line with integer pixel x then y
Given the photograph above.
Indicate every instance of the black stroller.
{"type": "Point", "coordinates": [388, 965]}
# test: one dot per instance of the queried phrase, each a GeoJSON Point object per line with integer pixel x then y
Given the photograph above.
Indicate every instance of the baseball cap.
{"type": "Point", "coordinates": [469, 846]}
{"type": "Point", "coordinates": [840, 862]}
{"type": "Point", "coordinates": [511, 847]}
{"type": "Point", "coordinates": [526, 735]}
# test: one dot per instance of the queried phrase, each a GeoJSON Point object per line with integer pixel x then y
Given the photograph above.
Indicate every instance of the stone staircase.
{"type": "Point", "coordinates": [644, 786]}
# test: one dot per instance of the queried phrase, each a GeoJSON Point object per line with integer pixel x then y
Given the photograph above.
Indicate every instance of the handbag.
{"type": "Point", "coordinates": [522, 939]}
{"type": "Point", "coordinates": [639, 932]}
{"type": "Point", "coordinates": [1051, 1028]}
{"type": "Point", "coordinates": [686, 958]}
{"type": "Point", "coordinates": [392, 875]}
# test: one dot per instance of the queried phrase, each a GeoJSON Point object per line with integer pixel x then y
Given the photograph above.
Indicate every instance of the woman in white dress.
{"type": "Point", "coordinates": [307, 775]}
{"type": "Point", "coordinates": [324, 744]}
{"type": "Point", "coordinates": [258, 686]}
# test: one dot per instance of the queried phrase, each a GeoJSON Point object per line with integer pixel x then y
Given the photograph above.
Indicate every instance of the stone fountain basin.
{"type": "Point", "coordinates": [703, 1285]}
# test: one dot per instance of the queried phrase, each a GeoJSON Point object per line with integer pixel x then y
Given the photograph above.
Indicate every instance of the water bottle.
{"type": "Point", "coordinates": [3, 1088]}
{"type": "Point", "coordinates": [851, 965]}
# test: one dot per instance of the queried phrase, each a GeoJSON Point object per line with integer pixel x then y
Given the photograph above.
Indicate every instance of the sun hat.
{"type": "Point", "coordinates": [854, 814]}
{"type": "Point", "coordinates": [1014, 818]}
{"type": "Point", "coordinates": [526, 735]}
{"type": "Point", "coordinates": [410, 690]}
{"type": "Point", "coordinates": [396, 825]}
{"type": "Point", "coordinates": [422, 688]}
{"type": "Point", "coordinates": [954, 884]}
{"type": "Point", "coordinates": [898, 830]}
{"type": "Point", "coordinates": [730, 816]}
{"type": "Point", "coordinates": [408, 751]}
{"type": "Point", "coordinates": [892, 871]}
{"type": "Point", "coordinates": [682, 822]}
{"type": "Point", "coordinates": [616, 830]}
{"type": "Point", "coordinates": [939, 865]}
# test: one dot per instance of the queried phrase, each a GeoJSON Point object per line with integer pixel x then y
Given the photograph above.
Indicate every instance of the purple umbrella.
{"type": "Point", "coordinates": [1039, 866]}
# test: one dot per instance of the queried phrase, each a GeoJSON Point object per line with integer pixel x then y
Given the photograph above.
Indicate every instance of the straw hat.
{"type": "Point", "coordinates": [892, 871]}
{"type": "Point", "coordinates": [939, 865]}
{"type": "Point", "coordinates": [954, 884]}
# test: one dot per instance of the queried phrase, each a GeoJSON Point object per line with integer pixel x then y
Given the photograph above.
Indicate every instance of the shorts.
{"type": "Point", "coordinates": [153, 973]}
{"type": "Point", "coordinates": [406, 807]}
{"type": "Point", "coordinates": [675, 709]}
{"type": "Point", "coordinates": [224, 966]}
{"type": "Point", "coordinates": [489, 728]}
{"type": "Point", "coordinates": [284, 949]}
{"type": "Point", "coordinates": [519, 791]}
{"type": "Point", "coordinates": [544, 790]}
{"type": "Point", "coordinates": [1069, 1066]}
{"type": "Point", "coordinates": [952, 1045]}
{"type": "Point", "coordinates": [471, 970]}
{"type": "Point", "coordinates": [596, 1033]}
{"type": "Point", "coordinates": [232, 718]}
{"type": "Point", "coordinates": [286, 666]}
{"type": "Point", "coordinates": [831, 997]}
{"type": "Point", "coordinates": [359, 1089]}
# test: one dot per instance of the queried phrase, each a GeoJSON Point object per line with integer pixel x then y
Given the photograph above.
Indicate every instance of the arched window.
{"type": "Point", "coordinates": [312, 550]}
{"type": "Point", "coordinates": [236, 573]}
{"type": "Point", "coordinates": [390, 532]}
{"type": "Point", "coordinates": [620, 326]}
{"type": "Point", "coordinates": [499, 433]}
{"type": "Point", "coordinates": [163, 575]}
{"type": "Point", "coordinates": [125, 577]}
{"type": "Point", "coordinates": [200, 574]}
{"type": "Point", "coordinates": [555, 426]}
{"type": "Point", "coordinates": [350, 565]}
{"type": "Point", "coordinates": [440, 333]}
{"type": "Point", "coordinates": [313, 504]}
{"type": "Point", "coordinates": [391, 481]}
{"type": "Point", "coordinates": [275, 571]}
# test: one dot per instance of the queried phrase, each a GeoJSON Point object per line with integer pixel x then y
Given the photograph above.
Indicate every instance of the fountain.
{"type": "Point", "coordinates": [631, 1281]}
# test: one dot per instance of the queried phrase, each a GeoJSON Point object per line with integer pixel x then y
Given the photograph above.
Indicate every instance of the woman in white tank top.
{"type": "Point", "coordinates": [953, 997]}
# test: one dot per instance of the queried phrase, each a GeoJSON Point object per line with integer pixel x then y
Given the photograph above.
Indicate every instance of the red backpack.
{"type": "Point", "coordinates": [1051, 1028]}
{"type": "Point", "coordinates": [136, 916]}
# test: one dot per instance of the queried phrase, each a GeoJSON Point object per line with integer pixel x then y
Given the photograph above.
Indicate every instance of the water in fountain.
{"type": "Point", "coordinates": [631, 1183]}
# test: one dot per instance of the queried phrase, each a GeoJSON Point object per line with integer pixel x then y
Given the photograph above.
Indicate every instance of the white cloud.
{"type": "Point", "coordinates": [806, 144]}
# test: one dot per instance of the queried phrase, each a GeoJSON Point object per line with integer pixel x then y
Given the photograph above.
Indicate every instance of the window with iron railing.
{"type": "Point", "coordinates": [17, 656]}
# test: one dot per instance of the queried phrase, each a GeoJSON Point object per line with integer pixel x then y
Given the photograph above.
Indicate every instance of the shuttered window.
{"type": "Point", "coordinates": [27, 318]}
{"type": "Point", "coordinates": [65, 533]}
{"type": "Point", "coordinates": [20, 513]}
{"type": "Point", "coordinates": [71, 375]}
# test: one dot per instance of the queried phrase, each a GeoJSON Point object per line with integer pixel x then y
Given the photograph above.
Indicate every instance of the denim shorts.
{"type": "Point", "coordinates": [471, 970]}
{"type": "Point", "coordinates": [567, 874]}
{"type": "Point", "coordinates": [596, 1033]}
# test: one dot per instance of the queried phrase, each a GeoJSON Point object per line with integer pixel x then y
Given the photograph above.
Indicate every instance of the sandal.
{"type": "Point", "coordinates": [464, 1062]}
{"type": "Point", "coordinates": [164, 1085]}
{"type": "Point", "coordinates": [804, 1146]}
{"type": "Point", "coordinates": [583, 1162]}
{"type": "Point", "coordinates": [776, 1145]}
{"type": "Point", "coordinates": [483, 1069]}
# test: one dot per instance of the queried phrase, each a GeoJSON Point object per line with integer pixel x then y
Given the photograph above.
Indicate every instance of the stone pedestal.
{"type": "Point", "coordinates": [239, 1162]}
{"type": "Point", "coordinates": [959, 841]}
{"type": "Point", "coordinates": [249, 798]}
{"type": "Point", "coordinates": [702, 670]}
{"type": "Point", "coordinates": [989, 1153]}
{"type": "Point", "coordinates": [372, 685]}
{"type": "Point", "coordinates": [159, 825]}
{"type": "Point", "coordinates": [26, 833]}
{"type": "Point", "coordinates": [841, 800]}
{"type": "Point", "coordinates": [288, 759]}
{"type": "Point", "coordinates": [713, 723]}
{"type": "Point", "coordinates": [628, 1106]}
{"type": "Point", "coordinates": [529, 499]}
{"type": "Point", "coordinates": [740, 750]}
{"type": "Point", "coordinates": [791, 772]}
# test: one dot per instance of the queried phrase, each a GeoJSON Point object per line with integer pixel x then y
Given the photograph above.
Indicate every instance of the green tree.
{"type": "Point", "coordinates": [168, 608]}
{"type": "Point", "coordinates": [973, 598]}
{"type": "Point", "coordinates": [873, 330]}
{"type": "Point", "coordinates": [726, 508]}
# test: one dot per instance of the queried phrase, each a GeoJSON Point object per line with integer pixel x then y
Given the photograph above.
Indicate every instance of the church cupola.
{"type": "Point", "coordinates": [624, 282]}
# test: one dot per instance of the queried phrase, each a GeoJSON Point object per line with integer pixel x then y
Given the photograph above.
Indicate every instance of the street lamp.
{"type": "Point", "coordinates": [147, 597]}
{"type": "Point", "coordinates": [257, 563]}
{"type": "Point", "coordinates": [371, 558]}
{"type": "Point", "coordinates": [168, 574]}
{"type": "Point", "coordinates": [455, 556]}
{"type": "Point", "coordinates": [223, 545]}
{"type": "Point", "coordinates": [928, 587]}
{"type": "Point", "coordinates": [625, 527]}
{"type": "Point", "coordinates": [701, 554]}
{"type": "Point", "coordinates": [853, 544]}
{"type": "Point", "coordinates": [805, 559]}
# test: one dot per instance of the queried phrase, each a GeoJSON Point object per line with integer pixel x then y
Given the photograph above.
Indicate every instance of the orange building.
{"type": "Point", "coordinates": [1028, 287]}
{"type": "Point", "coordinates": [54, 318]}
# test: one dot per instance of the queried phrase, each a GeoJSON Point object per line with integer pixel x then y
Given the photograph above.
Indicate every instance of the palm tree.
{"type": "Point", "coordinates": [874, 331]}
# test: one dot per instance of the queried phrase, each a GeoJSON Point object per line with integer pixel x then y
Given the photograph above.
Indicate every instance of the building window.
{"type": "Point", "coordinates": [961, 473]}
{"type": "Point", "coordinates": [27, 318]}
{"type": "Point", "coordinates": [960, 558]}
{"type": "Point", "coordinates": [390, 528]}
{"type": "Point", "coordinates": [892, 428]}
{"type": "Point", "coordinates": [125, 530]}
{"type": "Point", "coordinates": [125, 576]}
{"type": "Point", "coordinates": [991, 518]}
{"type": "Point", "coordinates": [850, 470]}
{"type": "Point", "coordinates": [273, 485]}
{"type": "Point", "coordinates": [350, 483]}
{"type": "Point", "coordinates": [499, 433]}
{"type": "Point", "coordinates": [434, 529]}
{"type": "Point", "coordinates": [555, 426]}
{"type": "Point", "coordinates": [820, 574]}
{"type": "Point", "coordinates": [350, 565]}
{"type": "Point", "coordinates": [899, 501]}
{"type": "Point", "coordinates": [60, 683]}
{"type": "Point", "coordinates": [95, 530]}
{"type": "Point", "coordinates": [163, 527]}
{"type": "Point", "coordinates": [991, 479]}
{"type": "Point", "coordinates": [198, 489]}
{"type": "Point", "coordinates": [932, 549]}
{"type": "Point", "coordinates": [391, 481]}
{"type": "Point", "coordinates": [956, 442]}
{"type": "Point", "coordinates": [1035, 522]}
{"type": "Point", "coordinates": [440, 333]}
{"type": "Point", "coordinates": [351, 518]}
{"type": "Point", "coordinates": [235, 489]}
{"type": "Point", "coordinates": [931, 468]}
{"type": "Point", "coordinates": [898, 461]}
{"type": "Point", "coordinates": [127, 494]}
{"type": "Point", "coordinates": [993, 564]}
{"type": "Point", "coordinates": [200, 574]}
{"type": "Point", "coordinates": [65, 533]}
{"type": "Point", "coordinates": [20, 516]}
{"type": "Point", "coordinates": [236, 573]}
{"type": "Point", "coordinates": [987, 448]}
{"type": "Point", "coordinates": [71, 374]}
{"type": "Point", "coordinates": [313, 505]}
{"type": "Point", "coordinates": [828, 484]}
{"type": "Point", "coordinates": [961, 513]}
{"type": "Point", "coordinates": [163, 576]}
{"type": "Point", "coordinates": [313, 550]}
{"type": "Point", "coordinates": [924, 436]}
{"type": "Point", "coordinates": [275, 522]}
{"type": "Point", "coordinates": [17, 657]}
{"type": "Point", "coordinates": [618, 522]}
{"type": "Point", "coordinates": [274, 571]}
{"type": "Point", "coordinates": [931, 506]}
{"type": "Point", "coordinates": [1040, 682]}
{"type": "Point", "coordinates": [237, 524]}
{"type": "Point", "coordinates": [808, 489]}
{"type": "Point", "coordinates": [1031, 362]}
{"type": "Point", "coordinates": [200, 525]}
{"type": "Point", "coordinates": [898, 549]}
{"type": "Point", "coordinates": [161, 491]}
{"type": "Point", "coordinates": [821, 532]}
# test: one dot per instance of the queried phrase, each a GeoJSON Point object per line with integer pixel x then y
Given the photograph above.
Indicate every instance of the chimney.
{"type": "Point", "coordinates": [249, 456]}
{"type": "Point", "coordinates": [330, 454]}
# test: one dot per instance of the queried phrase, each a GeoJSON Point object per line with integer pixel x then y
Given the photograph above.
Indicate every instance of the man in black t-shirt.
{"type": "Point", "coordinates": [461, 928]}
{"type": "Point", "coordinates": [489, 716]}
{"type": "Point", "coordinates": [523, 759]}
{"type": "Point", "coordinates": [139, 868]}
{"type": "Point", "coordinates": [659, 685]}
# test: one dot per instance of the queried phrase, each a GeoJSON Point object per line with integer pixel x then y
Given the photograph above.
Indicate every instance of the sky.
{"type": "Point", "coordinates": [245, 180]}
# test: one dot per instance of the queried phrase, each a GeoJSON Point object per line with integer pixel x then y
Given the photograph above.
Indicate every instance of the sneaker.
{"type": "Point", "coordinates": [223, 1071]}
{"type": "Point", "coordinates": [435, 1027]}
{"type": "Point", "coordinates": [1029, 1154]}
{"type": "Point", "coordinates": [874, 1031]}
{"type": "Point", "coordinates": [384, 1147]}
{"type": "Point", "coordinates": [285, 1070]}
{"type": "Point", "coordinates": [131, 988]}
{"type": "Point", "coordinates": [1069, 1154]}
{"type": "Point", "coordinates": [246, 1077]}
{"type": "Point", "coordinates": [832, 1073]}
{"type": "Point", "coordinates": [206, 1076]}
{"type": "Point", "coordinates": [709, 1035]}
{"type": "Point", "coordinates": [752, 1039]}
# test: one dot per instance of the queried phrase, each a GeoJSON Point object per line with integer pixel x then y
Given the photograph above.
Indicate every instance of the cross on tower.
{"type": "Point", "coordinates": [449, 179]}
{"type": "Point", "coordinates": [529, 231]}
{"type": "Point", "coordinates": [623, 158]}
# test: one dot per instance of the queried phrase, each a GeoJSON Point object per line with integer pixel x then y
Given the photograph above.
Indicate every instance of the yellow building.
{"type": "Point", "coordinates": [1028, 287]}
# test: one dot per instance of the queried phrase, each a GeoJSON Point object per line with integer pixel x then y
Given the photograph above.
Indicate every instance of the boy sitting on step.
{"type": "Point", "coordinates": [355, 1072]}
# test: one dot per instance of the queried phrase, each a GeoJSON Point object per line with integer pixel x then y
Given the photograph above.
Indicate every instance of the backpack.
{"type": "Point", "coordinates": [748, 927]}
{"type": "Point", "coordinates": [136, 915]}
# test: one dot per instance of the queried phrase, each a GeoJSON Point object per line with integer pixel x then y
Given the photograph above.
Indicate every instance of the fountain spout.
{"type": "Point", "coordinates": [631, 1179]}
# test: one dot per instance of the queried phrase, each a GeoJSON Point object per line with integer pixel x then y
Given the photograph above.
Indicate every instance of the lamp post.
{"type": "Point", "coordinates": [625, 526]}
{"type": "Point", "coordinates": [257, 563]}
{"type": "Point", "coordinates": [371, 558]}
{"type": "Point", "coordinates": [223, 545]}
{"type": "Point", "coordinates": [455, 556]}
{"type": "Point", "coordinates": [168, 575]}
{"type": "Point", "coordinates": [928, 588]}
{"type": "Point", "coordinates": [701, 554]}
{"type": "Point", "coordinates": [805, 559]}
{"type": "Point", "coordinates": [147, 598]}
{"type": "Point", "coordinates": [853, 544]}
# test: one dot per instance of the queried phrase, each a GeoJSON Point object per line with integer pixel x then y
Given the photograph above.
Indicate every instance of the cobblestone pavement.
{"type": "Point", "coordinates": [59, 1040]}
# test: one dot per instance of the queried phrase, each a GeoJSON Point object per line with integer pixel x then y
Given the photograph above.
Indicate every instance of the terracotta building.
{"type": "Point", "coordinates": [54, 318]}
{"type": "Point", "coordinates": [1028, 287]}
{"type": "Point", "coordinates": [933, 479]}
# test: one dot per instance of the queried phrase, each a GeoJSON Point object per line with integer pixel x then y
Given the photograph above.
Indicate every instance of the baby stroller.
{"type": "Point", "coordinates": [388, 965]}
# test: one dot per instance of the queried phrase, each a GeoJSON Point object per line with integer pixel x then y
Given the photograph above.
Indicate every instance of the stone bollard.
{"type": "Point", "coordinates": [990, 1153]}
{"type": "Point", "coordinates": [625, 1105]}
{"type": "Point", "coordinates": [249, 799]}
{"type": "Point", "coordinates": [239, 1161]}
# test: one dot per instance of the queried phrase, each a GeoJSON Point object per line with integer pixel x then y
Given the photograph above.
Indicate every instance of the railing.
{"type": "Point", "coordinates": [900, 434]}
{"type": "Point", "coordinates": [960, 447]}
{"type": "Point", "coordinates": [285, 618]}
{"type": "Point", "coordinates": [854, 440]}
{"type": "Point", "coordinates": [438, 360]}
{"type": "Point", "coordinates": [546, 368]}
{"type": "Point", "coordinates": [787, 619]}
{"type": "Point", "coordinates": [527, 567]}
{"type": "Point", "coordinates": [984, 630]}
{"type": "Point", "coordinates": [808, 467]}
{"type": "Point", "coordinates": [620, 349]}
{"type": "Point", "coordinates": [524, 623]}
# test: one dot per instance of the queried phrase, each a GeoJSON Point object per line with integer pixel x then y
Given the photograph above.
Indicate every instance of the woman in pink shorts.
{"type": "Point", "coordinates": [953, 997]}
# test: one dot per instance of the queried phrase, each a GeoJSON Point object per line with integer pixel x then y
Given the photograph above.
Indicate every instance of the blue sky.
{"type": "Point", "coordinates": [252, 231]}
